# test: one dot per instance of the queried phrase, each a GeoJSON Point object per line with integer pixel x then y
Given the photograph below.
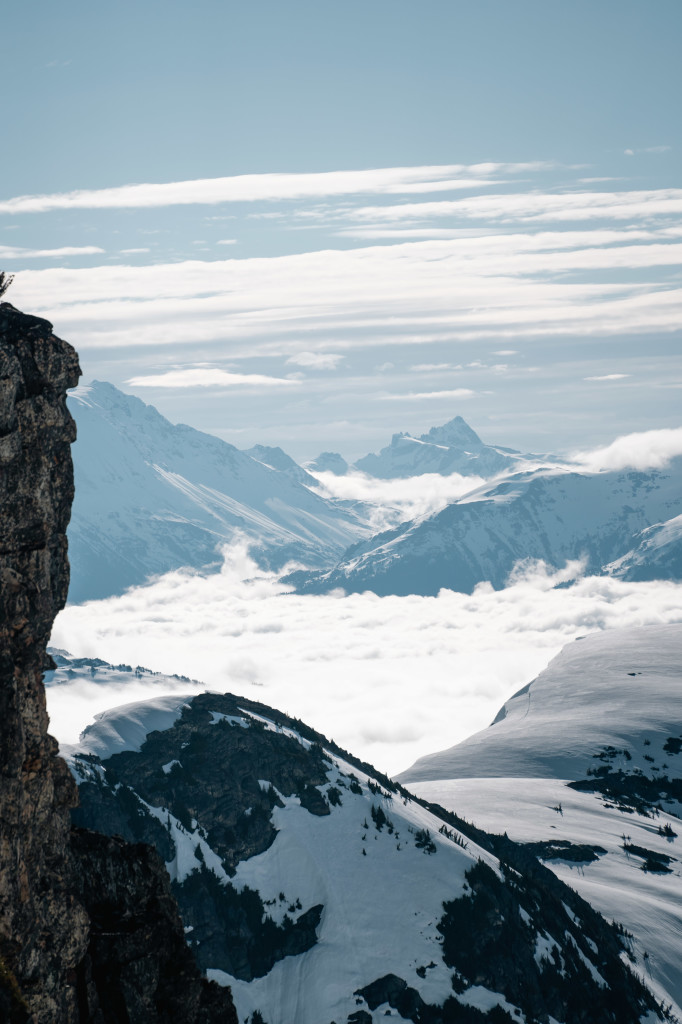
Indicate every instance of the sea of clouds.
{"type": "Point", "coordinates": [389, 678]}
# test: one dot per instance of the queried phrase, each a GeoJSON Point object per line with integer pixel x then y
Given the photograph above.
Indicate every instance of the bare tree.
{"type": "Point", "coordinates": [5, 282]}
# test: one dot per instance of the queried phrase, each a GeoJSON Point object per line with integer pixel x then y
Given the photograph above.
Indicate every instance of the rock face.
{"type": "Point", "coordinates": [54, 967]}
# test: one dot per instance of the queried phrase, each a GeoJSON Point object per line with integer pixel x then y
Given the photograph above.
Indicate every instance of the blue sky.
{"type": "Point", "coordinates": [507, 248]}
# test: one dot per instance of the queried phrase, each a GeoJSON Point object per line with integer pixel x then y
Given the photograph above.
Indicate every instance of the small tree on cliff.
{"type": "Point", "coordinates": [5, 282]}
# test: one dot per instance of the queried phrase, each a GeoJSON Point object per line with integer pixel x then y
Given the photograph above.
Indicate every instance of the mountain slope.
{"type": "Point", "coordinates": [553, 515]}
{"type": "Point", "coordinates": [584, 765]}
{"type": "Point", "coordinates": [321, 891]}
{"type": "Point", "coordinates": [151, 497]}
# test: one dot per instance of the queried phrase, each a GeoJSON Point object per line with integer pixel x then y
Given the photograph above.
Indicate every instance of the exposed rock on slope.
{"type": "Point", "coordinates": [54, 966]}
{"type": "Point", "coordinates": [320, 891]}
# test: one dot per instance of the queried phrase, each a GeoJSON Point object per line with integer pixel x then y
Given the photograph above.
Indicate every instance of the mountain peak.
{"type": "Point", "coordinates": [456, 433]}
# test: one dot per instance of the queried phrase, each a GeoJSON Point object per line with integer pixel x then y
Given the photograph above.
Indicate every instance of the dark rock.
{"type": "Point", "coordinates": [137, 966]}
{"type": "Point", "coordinates": [56, 965]}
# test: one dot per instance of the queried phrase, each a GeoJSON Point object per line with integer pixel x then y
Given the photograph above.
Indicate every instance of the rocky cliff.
{"type": "Point", "coordinates": [88, 928]}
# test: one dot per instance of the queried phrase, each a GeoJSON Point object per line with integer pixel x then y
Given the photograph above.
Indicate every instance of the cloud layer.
{"type": "Point", "coordinates": [258, 187]}
{"type": "Point", "coordinates": [389, 678]}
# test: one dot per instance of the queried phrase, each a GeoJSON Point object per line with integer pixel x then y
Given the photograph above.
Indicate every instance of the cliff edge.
{"type": "Point", "coordinates": [89, 930]}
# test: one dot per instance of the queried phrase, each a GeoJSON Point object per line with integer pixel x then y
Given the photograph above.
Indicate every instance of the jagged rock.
{"type": "Point", "coordinates": [54, 966]}
{"type": "Point", "coordinates": [43, 928]}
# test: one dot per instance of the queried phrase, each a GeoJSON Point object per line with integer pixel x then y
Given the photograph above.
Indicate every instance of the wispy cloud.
{"type": "Point", "coordinates": [9, 252]}
{"type": "Point", "coordinates": [609, 376]}
{"type": "Point", "coordinates": [205, 377]}
{"type": "Point", "coordinates": [259, 187]}
{"type": "Point", "coordinates": [534, 206]}
{"type": "Point", "coordinates": [434, 367]}
{"type": "Point", "coordinates": [648, 149]}
{"type": "Point", "coordinates": [316, 360]}
{"type": "Point", "coordinates": [422, 396]}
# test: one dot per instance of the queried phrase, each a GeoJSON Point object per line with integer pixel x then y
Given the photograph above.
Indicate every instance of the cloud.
{"type": "Point", "coordinates": [609, 376]}
{"type": "Point", "coordinates": [389, 678]}
{"type": "Point", "coordinates": [316, 360]}
{"type": "Point", "coordinates": [226, 241]}
{"type": "Point", "coordinates": [421, 396]}
{"type": "Point", "coordinates": [648, 149]}
{"type": "Point", "coordinates": [651, 449]}
{"type": "Point", "coordinates": [506, 352]}
{"type": "Point", "coordinates": [260, 187]}
{"type": "Point", "coordinates": [504, 286]}
{"type": "Point", "coordinates": [397, 501]}
{"type": "Point", "coordinates": [10, 252]}
{"type": "Point", "coordinates": [533, 206]}
{"type": "Point", "coordinates": [204, 377]}
{"type": "Point", "coordinates": [432, 367]}
{"type": "Point", "coordinates": [127, 251]}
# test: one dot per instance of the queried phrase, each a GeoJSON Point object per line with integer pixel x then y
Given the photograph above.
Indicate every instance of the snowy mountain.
{"type": "Point", "coordinates": [151, 497]}
{"type": "Point", "coordinates": [555, 515]}
{"type": "Point", "coordinates": [328, 462]}
{"type": "Point", "coordinates": [657, 555]}
{"type": "Point", "coordinates": [278, 459]}
{"type": "Point", "coordinates": [584, 766]}
{"type": "Point", "coordinates": [321, 891]}
{"type": "Point", "coordinates": [452, 448]}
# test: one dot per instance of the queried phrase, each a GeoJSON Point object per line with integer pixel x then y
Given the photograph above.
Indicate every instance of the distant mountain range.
{"type": "Point", "coordinates": [452, 448]}
{"type": "Point", "coordinates": [584, 766]}
{"type": "Point", "coordinates": [151, 497]}
{"type": "Point", "coordinates": [626, 523]}
{"type": "Point", "coordinates": [319, 890]}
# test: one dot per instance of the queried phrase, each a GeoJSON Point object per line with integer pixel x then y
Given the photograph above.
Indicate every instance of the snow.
{"type": "Point", "coordinates": [185, 860]}
{"type": "Point", "coordinates": [127, 727]}
{"type": "Point", "coordinates": [217, 716]}
{"type": "Point", "coordinates": [276, 727]}
{"type": "Point", "coordinates": [166, 768]}
{"type": "Point", "coordinates": [554, 514]}
{"type": "Point", "coordinates": [609, 688]}
{"type": "Point", "coordinates": [320, 860]}
{"type": "Point", "coordinates": [151, 497]}
{"type": "Point", "coordinates": [483, 999]}
{"type": "Point", "coordinates": [512, 777]}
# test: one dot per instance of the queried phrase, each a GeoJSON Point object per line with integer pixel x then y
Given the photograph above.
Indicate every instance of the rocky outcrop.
{"type": "Point", "coordinates": [54, 966]}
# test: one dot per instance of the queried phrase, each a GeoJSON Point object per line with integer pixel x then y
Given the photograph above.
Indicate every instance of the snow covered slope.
{"type": "Point", "coordinates": [320, 891]}
{"type": "Point", "coordinates": [585, 765]}
{"type": "Point", "coordinates": [452, 448]}
{"type": "Point", "coordinates": [555, 515]}
{"type": "Point", "coordinates": [151, 497]}
{"type": "Point", "coordinates": [657, 555]}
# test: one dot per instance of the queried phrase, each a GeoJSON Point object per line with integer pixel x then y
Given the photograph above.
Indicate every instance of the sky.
{"type": "Point", "coordinates": [314, 225]}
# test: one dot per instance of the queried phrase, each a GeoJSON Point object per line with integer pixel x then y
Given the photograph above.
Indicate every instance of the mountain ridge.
{"type": "Point", "coordinates": [272, 832]}
{"type": "Point", "coordinates": [152, 497]}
